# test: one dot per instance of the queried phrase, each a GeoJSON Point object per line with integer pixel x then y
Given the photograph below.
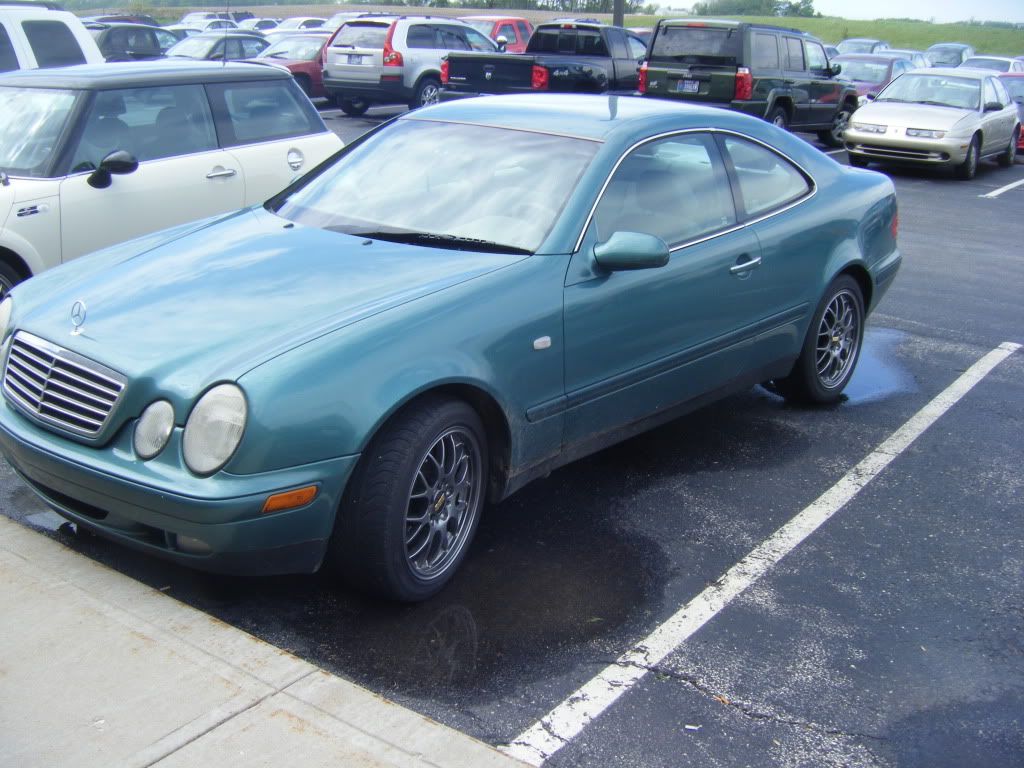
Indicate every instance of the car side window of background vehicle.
{"type": "Point", "coordinates": [8, 59]}
{"type": "Point", "coordinates": [253, 112]}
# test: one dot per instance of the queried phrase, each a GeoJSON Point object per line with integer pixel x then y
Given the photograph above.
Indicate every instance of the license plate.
{"type": "Point", "coordinates": [687, 86]}
{"type": "Point", "coordinates": [355, 58]}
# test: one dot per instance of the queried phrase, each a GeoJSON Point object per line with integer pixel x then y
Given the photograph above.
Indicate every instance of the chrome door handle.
{"type": "Point", "coordinates": [746, 266]}
{"type": "Point", "coordinates": [220, 173]}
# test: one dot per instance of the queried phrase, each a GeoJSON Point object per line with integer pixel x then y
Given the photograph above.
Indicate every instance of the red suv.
{"type": "Point", "coordinates": [515, 29]}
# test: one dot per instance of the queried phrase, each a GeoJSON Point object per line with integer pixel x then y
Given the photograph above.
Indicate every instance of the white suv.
{"type": "Point", "coordinates": [95, 155]}
{"type": "Point", "coordinates": [34, 37]}
{"type": "Point", "coordinates": [393, 59]}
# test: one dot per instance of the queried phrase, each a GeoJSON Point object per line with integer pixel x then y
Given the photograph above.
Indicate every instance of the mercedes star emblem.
{"type": "Point", "coordinates": [78, 316]}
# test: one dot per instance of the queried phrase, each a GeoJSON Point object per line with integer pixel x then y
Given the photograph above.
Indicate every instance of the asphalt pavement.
{"type": "Point", "coordinates": [892, 635]}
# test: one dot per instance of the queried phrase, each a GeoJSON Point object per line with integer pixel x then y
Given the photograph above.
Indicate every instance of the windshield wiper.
{"type": "Point", "coordinates": [432, 240]}
{"type": "Point", "coordinates": [940, 104]}
{"type": "Point", "coordinates": [898, 101]}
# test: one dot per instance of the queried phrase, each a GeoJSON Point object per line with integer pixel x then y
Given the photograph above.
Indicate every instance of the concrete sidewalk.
{"type": "Point", "coordinates": [97, 669]}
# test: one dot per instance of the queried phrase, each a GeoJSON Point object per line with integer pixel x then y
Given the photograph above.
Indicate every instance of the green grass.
{"type": "Point", "coordinates": [900, 34]}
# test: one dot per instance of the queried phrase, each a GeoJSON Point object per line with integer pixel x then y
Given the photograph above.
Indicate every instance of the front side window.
{"type": "Point", "coordinates": [150, 123]}
{"type": "Point", "coordinates": [766, 180]}
{"type": "Point", "coordinates": [507, 31]}
{"type": "Point", "coordinates": [8, 58]}
{"type": "Point", "coordinates": [524, 31]}
{"type": "Point", "coordinates": [478, 42]}
{"type": "Point", "coordinates": [452, 39]}
{"type": "Point", "coordinates": [247, 113]}
{"type": "Point", "coordinates": [816, 60]}
{"type": "Point", "coordinates": [674, 188]}
{"type": "Point", "coordinates": [53, 44]}
{"type": "Point", "coordinates": [990, 93]}
{"type": "Point", "coordinates": [31, 128]}
{"type": "Point", "coordinates": [766, 51]}
{"type": "Point", "coordinates": [465, 187]}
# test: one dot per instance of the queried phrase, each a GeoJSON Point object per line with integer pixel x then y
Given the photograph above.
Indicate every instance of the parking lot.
{"type": "Point", "coordinates": [892, 635]}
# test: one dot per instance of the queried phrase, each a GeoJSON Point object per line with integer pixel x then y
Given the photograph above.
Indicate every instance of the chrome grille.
{"type": "Point", "coordinates": [59, 387]}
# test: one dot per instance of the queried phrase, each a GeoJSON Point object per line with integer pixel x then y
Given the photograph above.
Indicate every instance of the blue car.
{"type": "Point", "coordinates": [452, 306]}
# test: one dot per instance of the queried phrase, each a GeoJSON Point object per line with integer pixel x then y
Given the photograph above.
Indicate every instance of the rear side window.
{"type": "Point", "coordinates": [53, 44]}
{"type": "Point", "coordinates": [361, 36]}
{"type": "Point", "coordinates": [794, 55]}
{"type": "Point", "coordinates": [524, 31]}
{"type": "Point", "coordinates": [766, 180]}
{"type": "Point", "coordinates": [698, 45]}
{"type": "Point", "coordinates": [419, 36]}
{"type": "Point", "coordinates": [507, 31]}
{"type": "Point", "coordinates": [8, 59]}
{"type": "Point", "coordinates": [766, 51]}
{"type": "Point", "coordinates": [453, 39]}
{"type": "Point", "coordinates": [247, 113]}
{"type": "Point", "coordinates": [586, 42]}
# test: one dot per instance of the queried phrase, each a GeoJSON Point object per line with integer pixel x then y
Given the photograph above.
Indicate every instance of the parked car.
{"type": "Point", "coordinates": [944, 117]}
{"type": "Point", "coordinates": [96, 155]}
{"type": "Point", "coordinates": [301, 55]}
{"type": "Point", "coordinates": [515, 29]}
{"type": "Point", "coordinates": [862, 45]}
{"type": "Point", "coordinates": [229, 45]}
{"type": "Point", "coordinates": [644, 33]}
{"type": "Point", "coordinates": [37, 37]}
{"type": "Point", "coordinates": [948, 54]}
{"type": "Point", "coordinates": [1014, 84]}
{"type": "Point", "coordinates": [778, 74]}
{"type": "Point", "coordinates": [258, 25]}
{"type": "Point", "coordinates": [917, 58]}
{"type": "Point", "coordinates": [393, 59]}
{"type": "Point", "coordinates": [349, 372]}
{"type": "Point", "coordinates": [562, 57]}
{"type": "Point", "coordinates": [180, 32]}
{"type": "Point", "coordinates": [995, 63]}
{"type": "Point", "coordinates": [123, 18]}
{"type": "Point", "coordinates": [131, 42]}
{"type": "Point", "coordinates": [301, 23]}
{"type": "Point", "coordinates": [870, 72]}
{"type": "Point", "coordinates": [214, 25]}
{"type": "Point", "coordinates": [196, 17]}
{"type": "Point", "coordinates": [277, 34]}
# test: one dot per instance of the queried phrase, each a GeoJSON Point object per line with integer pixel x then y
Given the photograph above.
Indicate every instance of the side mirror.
{"type": "Point", "coordinates": [835, 69]}
{"type": "Point", "coordinates": [993, 106]}
{"type": "Point", "coordinates": [119, 161]}
{"type": "Point", "coordinates": [870, 96]}
{"type": "Point", "coordinates": [631, 250]}
{"type": "Point", "coordinates": [502, 42]}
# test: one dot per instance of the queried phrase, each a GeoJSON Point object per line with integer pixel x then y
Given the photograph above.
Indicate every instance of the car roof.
{"type": "Point", "coordinates": [862, 40]}
{"type": "Point", "coordinates": [101, 77]}
{"type": "Point", "coordinates": [577, 115]}
{"type": "Point", "coordinates": [220, 33]}
{"type": "Point", "coordinates": [104, 25]}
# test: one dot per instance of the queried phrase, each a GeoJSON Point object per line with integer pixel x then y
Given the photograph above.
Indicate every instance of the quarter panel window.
{"type": "Point", "coordinates": [637, 49]}
{"type": "Point", "coordinates": [247, 113]}
{"type": "Point", "coordinates": [452, 40]}
{"type": "Point", "coordinates": [766, 51]}
{"type": "Point", "coordinates": [674, 188]}
{"type": "Point", "coordinates": [794, 55]}
{"type": "Point", "coordinates": [420, 36]}
{"type": "Point", "coordinates": [53, 44]}
{"type": "Point", "coordinates": [766, 180]}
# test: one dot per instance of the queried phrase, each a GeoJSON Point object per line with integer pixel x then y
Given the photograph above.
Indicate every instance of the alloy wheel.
{"type": "Point", "coordinates": [838, 340]}
{"type": "Point", "coordinates": [839, 124]}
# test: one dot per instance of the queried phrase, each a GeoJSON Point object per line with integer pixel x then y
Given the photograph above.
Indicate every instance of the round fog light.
{"type": "Point", "coordinates": [153, 429]}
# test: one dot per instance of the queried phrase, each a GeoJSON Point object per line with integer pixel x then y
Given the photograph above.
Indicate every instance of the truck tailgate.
{"type": "Point", "coordinates": [489, 73]}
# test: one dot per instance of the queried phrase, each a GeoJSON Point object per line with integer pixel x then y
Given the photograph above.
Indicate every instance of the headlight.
{"type": "Point", "coordinates": [5, 317]}
{"type": "Point", "coordinates": [153, 429]}
{"type": "Point", "coordinates": [214, 429]}
{"type": "Point", "coordinates": [924, 133]}
{"type": "Point", "coordinates": [869, 127]}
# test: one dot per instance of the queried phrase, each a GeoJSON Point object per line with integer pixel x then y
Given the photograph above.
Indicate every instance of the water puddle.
{"type": "Point", "coordinates": [879, 373]}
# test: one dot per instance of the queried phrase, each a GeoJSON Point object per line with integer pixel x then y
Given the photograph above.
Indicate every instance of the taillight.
{"type": "Point", "coordinates": [444, 71]}
{"type": "Point", "coordinates": [323, 51]}
{"type": "Point", "coordinates": [744, 84]}
{"type": "Point", "coordinates": [641, 83]}
{"type": "Point", "coordinates": [894, 227]}
{"type": "Point", "coordinates": [539, 79]}
{"type": "Point", "coordinates": [392, 58]}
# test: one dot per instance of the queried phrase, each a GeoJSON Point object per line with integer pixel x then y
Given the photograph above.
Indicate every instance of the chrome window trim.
{"type": "Point", "coordinates": [504, 128]}
{"type": "Point", "coordinates": [716, 233]}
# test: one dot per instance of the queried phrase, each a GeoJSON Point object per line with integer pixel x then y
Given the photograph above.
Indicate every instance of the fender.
{"type": "Point", "coordinates": [25, 251]}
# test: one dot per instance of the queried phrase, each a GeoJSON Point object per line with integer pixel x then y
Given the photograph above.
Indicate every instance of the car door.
{"type": "Point", "coordinates": [997, 126]}
{"type": "Point", "coordinates": [272, 131]}
{"type": "Point", "coordinates": [625, 75]}
{"type": "Point", "coordinates": [638, 342]}
{"type": "Point", "coordinates": [182, 173]}
{"type": "Point", "coordinates": [824, 90]}
{"type": "Point", "coordinates": [796, 79]}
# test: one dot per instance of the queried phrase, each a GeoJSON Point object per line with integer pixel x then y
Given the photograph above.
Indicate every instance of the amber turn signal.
{"type": "Point", "coordinates": [290, 499]}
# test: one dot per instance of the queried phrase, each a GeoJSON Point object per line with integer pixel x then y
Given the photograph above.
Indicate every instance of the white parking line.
{"type": "Point", "coordinates": [556, 729]}
{"type": "Point", "coordinates": [1007, 188]}
{"type": "Point", "coordinates": [834, 151]}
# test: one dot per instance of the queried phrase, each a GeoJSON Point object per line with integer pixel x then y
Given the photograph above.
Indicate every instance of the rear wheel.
{"type": "Point", "coordinates": [779, 117]}
{"type": "Point", "coordinates": [428, 92]}
{"type": "Point", "coordinates": [831, 348]}
{"type": "Point", "coordinates": [353, 107]}
{"type": "Point", "coordinates": [1009, 157]}
{"type": "Point", "coordinates": [412, 506]}
{"type": "Point", "coordinates": [305, 85]}
{"type": "Point", "coordinates": [833, 137]}
{"type": "Point", "coordinates": [857, 161]}
{"type": "Point", "coordinates": [969, 166]}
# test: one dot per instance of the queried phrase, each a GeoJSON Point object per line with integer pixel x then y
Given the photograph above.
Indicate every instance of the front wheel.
{"type": "Point", "coordinates": [428, 92]}
{"type": "Point", "coordinates": [413, 504]}
{"type": "Point", "coordinates": [833, 137]}
{"type": "Point", "coordinates": [779, 118]}
{"type": "Point", "coordinates": [969, 166]}
{"type": "Point", "coordinates": [8, 279]}
{"type": "Point", "coordinates": [353, 107]}
{"type": "Point", "coordinates": [1009, 157]}
{"type": "Point", "coordinates": [831, 348]}
{"type": "Point", "coordinates": [857, 161]}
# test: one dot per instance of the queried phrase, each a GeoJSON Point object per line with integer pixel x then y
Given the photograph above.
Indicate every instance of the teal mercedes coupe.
{"type": "Point", "coordinates": [453, 305]}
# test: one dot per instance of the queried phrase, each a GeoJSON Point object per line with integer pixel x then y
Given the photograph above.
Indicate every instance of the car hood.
{"type": "Point", "coordinates": [911, 115]}
{"type": "Point", "coordinates": [216, 302]}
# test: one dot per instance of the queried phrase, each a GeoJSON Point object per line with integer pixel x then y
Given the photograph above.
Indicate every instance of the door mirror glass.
{"type": "Point", "coordinates": [631, 250]}
{"type": "Point", "coordinates": [993, 106]}
{"type": "Point", "coordinates": [835, 69]}
{"type": "Point", "coordinates": [117, 162]}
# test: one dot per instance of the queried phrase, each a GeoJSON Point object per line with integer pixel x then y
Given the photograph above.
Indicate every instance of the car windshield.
{"type": "Point", "coordinates": [856, 46]}
{"type": "Point", "coordinates": [192, 47]}
{"type": "Point", "coordinates": [864, 71]}
{"type": "Point", "coordinates": [944, 55]}
{"type": "Point", "coordinates": [937, 90]}
{"type": "Point", "coordinates": [980, 63]}
{"type": "Point", "coordinates": [297, 48]}
{"type": "Point", "coordinates": [446, 185]}
{"type": "Point", "coordinates": [34, 119]}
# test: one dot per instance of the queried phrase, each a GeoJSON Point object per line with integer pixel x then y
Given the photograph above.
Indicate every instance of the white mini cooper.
{"type": "Point", "coordinates": [94, 155]}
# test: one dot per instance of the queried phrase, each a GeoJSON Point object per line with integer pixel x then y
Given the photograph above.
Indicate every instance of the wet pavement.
{"type": "Point", "coordinates": [893, 637]}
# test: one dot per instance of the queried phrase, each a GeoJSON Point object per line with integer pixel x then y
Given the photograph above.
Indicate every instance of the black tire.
{"type": "Point", "coordinates": [374, 545]}
{"type": "Point", "coordinates": [779, 117]}
{"type": "Point", "coordinates": [9, 278]}
{"type": "Point", "coordinates": [969, 167]}
{"type": "Point", "coordinates": [427, 93]}
{"type": "Point", "coordinates": [1009, 157]}
{"type": "Point", "coordinates": [353, 107]}
{"type": "Point", "coordinates": [306, 86]}
{"type": "Point", "coordinates": [857, 161]}
{"type": "Point", "coordinates": [827, 360]}
{"type": "Point", "coordinates": [833, 137]}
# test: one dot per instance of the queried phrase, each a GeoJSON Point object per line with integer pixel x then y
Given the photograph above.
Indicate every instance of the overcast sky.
{"type": "Point", "coordinates": [940, 10]}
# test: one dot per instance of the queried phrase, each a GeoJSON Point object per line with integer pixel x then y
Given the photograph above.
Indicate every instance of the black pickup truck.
{"type": "Point", "coordinates": [562, 56]}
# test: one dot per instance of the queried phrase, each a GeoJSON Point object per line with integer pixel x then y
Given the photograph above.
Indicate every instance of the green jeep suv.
{"type": "Point", "coordinates": [779, 74]}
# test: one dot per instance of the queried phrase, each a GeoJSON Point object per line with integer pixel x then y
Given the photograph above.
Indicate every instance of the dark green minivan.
{"type": "Point", "coordinates": [775, 73]}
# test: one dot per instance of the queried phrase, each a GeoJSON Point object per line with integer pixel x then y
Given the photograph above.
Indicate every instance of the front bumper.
{"type": "Point", "coordinates": [900, 148]}
{"type": "Point", "coordinates": [222, 530]}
